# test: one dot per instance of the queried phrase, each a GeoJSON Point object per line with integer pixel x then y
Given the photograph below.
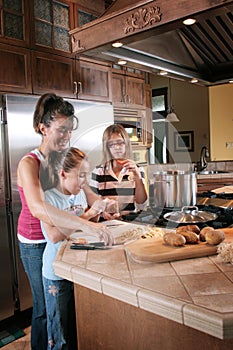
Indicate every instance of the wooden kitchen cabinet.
{"type": "Point", "coordinates": [93, 80]}
{"type": "Point", "coordinates": [15, 69]}
{"type": "Point", "coordinates": [128, 87]}
{"type": "Point", "coordinates": [14, 22]}
{"type": "Point", "coordinates": [52, 73]}
{"type": "Point", "coordinates": [148, 116]}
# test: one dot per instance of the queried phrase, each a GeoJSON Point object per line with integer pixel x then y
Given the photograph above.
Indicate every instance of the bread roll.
{"type": "Point", "coordinates": [203, 233]}
{"type": "Point", "coordinates": [173, 239]}
{"type": "Point", "coordinates": [214, 237]}
{"type": "Point", "coordinates": [190, 236]}
{"type": "Point", "coordinates": [193, 228]}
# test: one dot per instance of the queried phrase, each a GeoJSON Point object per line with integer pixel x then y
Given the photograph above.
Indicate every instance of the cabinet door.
{"type": "Point", "coordinates": [15, 69]}
{"type": "Point", "coordinates": [52, 73]}
{"type": "Point", "coordinates": [14, 22]}
{"type": "Point", "coordinates": [135, 91]}
{"type": "Point", "coordinates": [118, 88]}
{"type": "Point", "coordinates": [148, 104]}
{"type": "Point", "coordinates": [94, 81]}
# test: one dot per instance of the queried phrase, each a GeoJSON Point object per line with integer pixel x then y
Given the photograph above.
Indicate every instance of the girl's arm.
{"type": "Point", "coordinates": [28, 178]}
{"type": "Point", "coordinates": [140, 190]}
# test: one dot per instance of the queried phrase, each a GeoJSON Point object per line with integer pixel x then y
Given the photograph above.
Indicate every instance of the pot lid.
{"type": "Point", "coordinates": [190, 214]}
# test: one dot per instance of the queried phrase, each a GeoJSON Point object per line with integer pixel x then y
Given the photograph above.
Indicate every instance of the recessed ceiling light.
{"type": "Point", "coordinates": [231, 81]}
{"type": "Point", "coordinates": [163, 72]}
{"type": "Point", "coordinates": [194, 80]}
{"type": "Point", "coordinates": [189, 21]}
{"type": "Point", "coordinates": [117, 44]}
{"type": "Point", "coordinates": [121, 62]}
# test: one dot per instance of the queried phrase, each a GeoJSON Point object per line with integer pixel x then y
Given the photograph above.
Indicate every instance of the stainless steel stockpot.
{"type": "Point", "coordinates": [174, 189]}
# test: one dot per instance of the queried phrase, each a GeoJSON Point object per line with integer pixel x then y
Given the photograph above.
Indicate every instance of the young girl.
{"type": "Point", "coordinates": [68, 172]}
{"type": "Point", "coordinates": [119, 177]}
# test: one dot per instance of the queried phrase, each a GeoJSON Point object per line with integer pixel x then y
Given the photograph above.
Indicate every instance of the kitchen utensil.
{"type": "Point", "coordinates": [174, 189]}
{"type": "Point", "coordinates": [191, 215]}
{"type": "Point", "coordinates": [91, 246]}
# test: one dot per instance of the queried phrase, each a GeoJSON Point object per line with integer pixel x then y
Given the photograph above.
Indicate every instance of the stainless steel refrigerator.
{"type": "Point", "coordinates": [17, 138]}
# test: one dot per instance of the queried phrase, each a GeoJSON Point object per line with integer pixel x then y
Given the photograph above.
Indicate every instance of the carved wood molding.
{"type": "Point", "coordinates": [142, 18]}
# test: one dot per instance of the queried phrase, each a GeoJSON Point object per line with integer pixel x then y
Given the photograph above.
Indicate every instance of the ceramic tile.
{"type": "Point", "coordinates": [74, 257]}
{"type": "Point", "coordinates": [87, 279]}
{"type": "Point", "coordinates": [63, 270]}
{"type": "Point", "coordinates": [119, 290]}
{"type": "Point", "coordinates": [118, 271]}
{"type": "Point", "coordinates": [192, 266]}
{"type": "Point", "coordinates": [208, 322]}
{"type": "Point", "coordinates": [161, 305]}
{"type": "Point", "coordinates": [206, 284]}
{"type": "Point", "coordinates": [221, 265]}
{"type": "Point", "coordinates": [150, 269]}
{"type": "Point", "coordinates": [116, 255]}
{"type": "Point", "coordinates": [219, 303]}
{"type": "Point", "coordinates": [169, 285]}
{"type": "Point", "coordinates": [229, 275]}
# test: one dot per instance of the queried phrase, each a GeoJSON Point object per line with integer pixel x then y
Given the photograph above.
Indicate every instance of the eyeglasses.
{"type": "Point", "coordinates": [116, 144]}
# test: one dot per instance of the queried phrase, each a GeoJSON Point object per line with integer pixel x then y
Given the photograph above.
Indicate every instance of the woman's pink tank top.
{"type": "Point", "coordinates": [28, 226]}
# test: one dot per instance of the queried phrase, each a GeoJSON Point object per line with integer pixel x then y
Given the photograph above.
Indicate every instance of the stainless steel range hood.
{"type": "Point", "coordinates": [154, 37]}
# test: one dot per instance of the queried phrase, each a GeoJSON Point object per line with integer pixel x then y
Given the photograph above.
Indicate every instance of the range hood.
{"type": "Point", "coordinates": [154, 37]}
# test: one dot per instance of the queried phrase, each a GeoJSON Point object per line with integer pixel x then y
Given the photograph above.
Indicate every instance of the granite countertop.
{"type": "Point", "coordinates": [195, 292]}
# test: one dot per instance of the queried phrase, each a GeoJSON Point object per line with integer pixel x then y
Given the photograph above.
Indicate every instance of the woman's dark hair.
{"type": "Point", "coordinates": [49, 107]}
{"type": "Point", "coordinates": [66, 160]}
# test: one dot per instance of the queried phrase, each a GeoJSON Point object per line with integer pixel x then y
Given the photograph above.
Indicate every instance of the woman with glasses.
{"type": "Point", "coordinates": [119, 177]}
{"type": "Point", "coordinates": [54, 120]}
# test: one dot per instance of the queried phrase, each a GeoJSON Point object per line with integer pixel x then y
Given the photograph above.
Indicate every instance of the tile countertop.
{"type": "Point", "coordinates": [195, 292]}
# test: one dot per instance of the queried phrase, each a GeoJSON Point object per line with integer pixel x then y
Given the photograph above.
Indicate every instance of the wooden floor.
{"type": "Point", "coordinates": [21, 343]}
{"type": "Point", "coordinates": [23, 321]}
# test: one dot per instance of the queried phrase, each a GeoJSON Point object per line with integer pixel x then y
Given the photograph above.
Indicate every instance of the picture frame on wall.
{"type": "Point", "coordinates": [184, 141]}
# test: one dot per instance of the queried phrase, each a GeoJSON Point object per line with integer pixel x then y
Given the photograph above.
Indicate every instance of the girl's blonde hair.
{"type": "Point", "coordinates": [65, 160]}
{"type": "Point", "coordinates": [115, 129]}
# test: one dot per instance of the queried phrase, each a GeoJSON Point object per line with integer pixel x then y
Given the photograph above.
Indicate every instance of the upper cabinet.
{"type": "Point", "coordinates": [128, 86]}
{"type": "Point", "coordinates": [15, 74]}
{"type": "Point", "coordinates": [14, 23]}
{"type": "Point", "coordinates": [94, 80]}
{"type": "Point", "coordinates": [53, 73]}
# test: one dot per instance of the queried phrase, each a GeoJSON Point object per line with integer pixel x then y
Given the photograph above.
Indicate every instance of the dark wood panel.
{"type": "Point", "coordinates": [15, 69]}
{"type": "Point", "coordinates": [52, 73]}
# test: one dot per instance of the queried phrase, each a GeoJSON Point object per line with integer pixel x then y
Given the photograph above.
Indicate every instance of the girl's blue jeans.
{"type": "Point", "coordinates": [61, 324]}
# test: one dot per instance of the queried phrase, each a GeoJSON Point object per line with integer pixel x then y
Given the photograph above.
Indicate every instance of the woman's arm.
{"type": "Point", "coordinates": [28, 178]}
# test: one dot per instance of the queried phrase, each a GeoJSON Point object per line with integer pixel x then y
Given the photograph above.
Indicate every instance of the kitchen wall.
{"type": "Point", "coordinates": [191, 104]}
{"type": "Point", "coordinates": [221, 121]}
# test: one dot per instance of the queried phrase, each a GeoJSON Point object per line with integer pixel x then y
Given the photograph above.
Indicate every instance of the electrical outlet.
{"type": "Point", "coordinates": [229, 144]}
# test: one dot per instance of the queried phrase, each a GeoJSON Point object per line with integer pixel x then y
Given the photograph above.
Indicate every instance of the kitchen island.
{"type": "Point", "coordinates": [122, 304]}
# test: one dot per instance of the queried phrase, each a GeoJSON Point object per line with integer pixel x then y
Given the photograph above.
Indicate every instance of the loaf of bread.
{"type": "Point", "coordinates": [214, 237]}
{"type": "Point", "coordinates": [193, 228]}
{"type": "Point", "coordinates": [203, 233]}
{"type": "Point", "coordinates": [174, 239]}
{"type": "Point", "coordinates": [190, 236]}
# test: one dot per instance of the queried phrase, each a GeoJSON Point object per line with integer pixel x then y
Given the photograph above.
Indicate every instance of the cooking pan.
{"type": "Point", "coordinates": [190, 215]}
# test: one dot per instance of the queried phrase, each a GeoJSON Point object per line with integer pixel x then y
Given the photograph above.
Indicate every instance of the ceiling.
{"type": "Point", "coordinates": [203, 50]}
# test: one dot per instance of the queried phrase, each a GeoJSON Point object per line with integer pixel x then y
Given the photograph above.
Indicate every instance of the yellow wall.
{"type": "Point", "coordinates": [221, 121]}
